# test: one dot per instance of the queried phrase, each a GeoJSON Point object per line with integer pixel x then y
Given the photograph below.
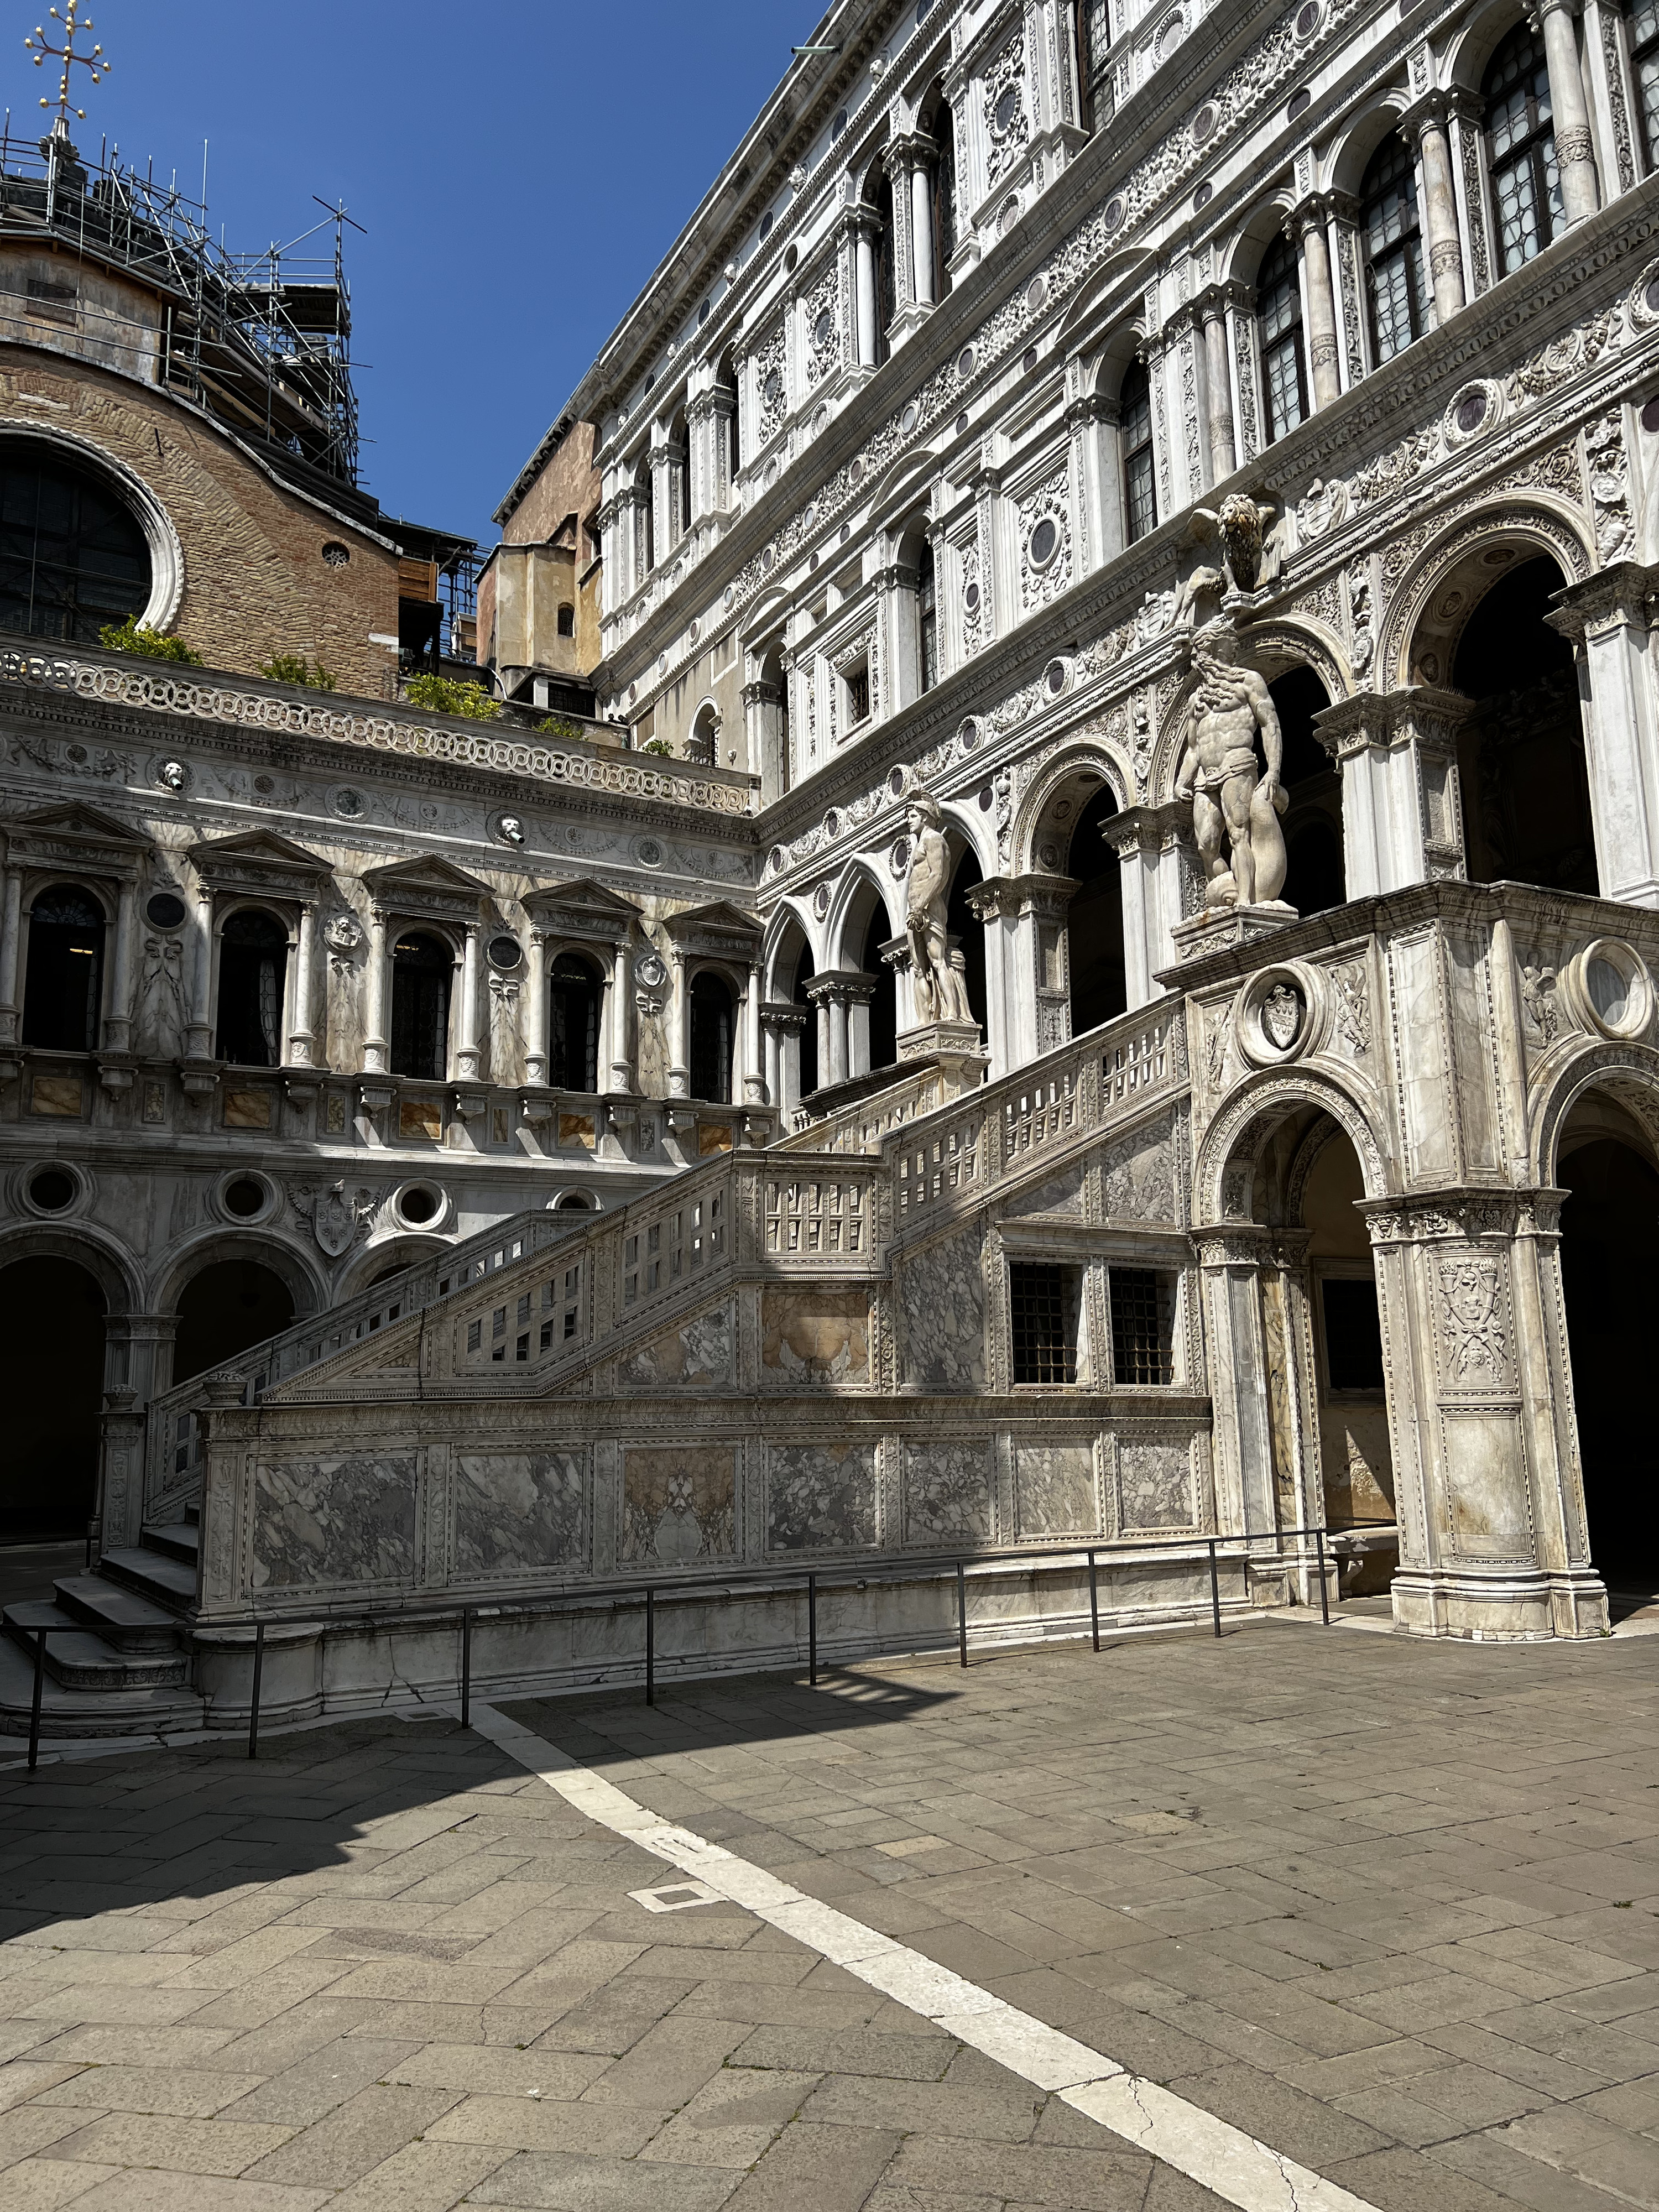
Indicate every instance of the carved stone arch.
{"type": "Point", "coordinates": [1242, 255]}
{"type": "Point", "coordinates": [1307, 1154]}
{"type": "Point", "coordinates": [407, 1248]}
{"type": "Point", "coordinates": [116, 1271]}
{"type": "Point", "coordinates": [860, 883]}
{"type": "Point", "coordinates": [906, 484]}
{"type": "Point", "coordinates": [1475, 42]}
{"type": "Point", "coordinates": [786, 916]}
{"type": "Point", "coordinates": [1628, 1073]}
{"type": "Point", "coordinates": [1516, 527]}
{"type": "Point", "coordinates": [1300, 642]}
{"type": "Point", "coordinates": [1230, 1146]}
{"type": "Point", "coordinates": [1086, 759]}
{"type": "Point", "coordinates": [285, 1256]}
{"type": "Point", "coordinates": [971, 828]}
{"type": "Point", "coordinates": [1353, 150]}
{"type": "Point", "coordinates": [761, 618]}
{"type": "Point", "coordinates": [1115, 292]}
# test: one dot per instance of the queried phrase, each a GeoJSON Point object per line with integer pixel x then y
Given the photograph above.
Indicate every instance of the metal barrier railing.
{"type": "Point", "coordinates": [813, 1579]}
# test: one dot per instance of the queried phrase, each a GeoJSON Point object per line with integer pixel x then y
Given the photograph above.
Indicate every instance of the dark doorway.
{"type": "Point", "coordinates": [711, 1039]}
{"type": "Point", "coordinates": [253, 970]}
{"type": "Point", "coordinates": [1094, 921]}
{"type": "Point", "coordinates": [1521, 756]}
{"type": "Point", "coordinates": [1313, 822]}
{"type": "Point", "coordinates": [52, 1373]}
{"type": "Point", "coordinates": [63, 988]}
{"type": "Point", "coordinates": [965, 925]}
{"type": "Point", "coordinates": [1607, 1228]}
{"type": "Point", "coordinates": [227, 1307]}
{"type": "Point", "coordinates": [883, 1003]}
{"type": "Point", "coordinates": [422, 968]}
{"type": "Point", "coordinates": [809, 1028]}
{"type": "Point", "coordinates": [572, 1031]}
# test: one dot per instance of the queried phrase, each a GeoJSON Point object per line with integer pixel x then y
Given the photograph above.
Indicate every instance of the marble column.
{"type": "Point", "coordinates": [1606, 616]}
{"type": "Point", "coordinates": [1427, 124]}
{"type": "Point", "coordinates": [680, 1030]}
{"type": "Point", "coordinates": [535, 984]}
{"type": "Point", "coordinates": [1218, 385]}
{"type": "Point", "coordinates": [1402, 812]}
{"type": "Point", "coordinates": [1307, 227]}
{"type": "Point", "coordinates": [621, 1020]}
{"type": "Point", "coordinates": [1230, 1255]}
{"type": "Point", "coordinates": [465, 1064]}
{"type": "Point", "coordinates": [1148, 842]}
{"type": "Point", "coordinates": [867, 334]}
{"type": "Point", "coordinates": [117, 1026]}
{"type": "Point", "coordinates": [377, 985]}
{"type": "Point", "coordinates": [783, 1025]}
{"type": "Point", "coordinates": [11, 923]}
{"type": "Point", "coordinates": [1574, 148]}
{"type": "Point", "coordinates": [755, 1091]}
{"type": "Point", "coordinates": [199, 1033]}
{"type": "Point", "coordinates": [301, 1036]}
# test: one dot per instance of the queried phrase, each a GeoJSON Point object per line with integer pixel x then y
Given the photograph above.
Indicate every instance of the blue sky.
{"type": "Point", "coordinates": [519, 169]}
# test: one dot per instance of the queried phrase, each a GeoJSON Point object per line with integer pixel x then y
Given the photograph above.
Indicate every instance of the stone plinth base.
{"type": "Point", "coordinates": [1523, 1607]}
{"type": "Point", "coordinates": [955, 1050]}
{"type": "Point", "coordinates": [1219, 928]}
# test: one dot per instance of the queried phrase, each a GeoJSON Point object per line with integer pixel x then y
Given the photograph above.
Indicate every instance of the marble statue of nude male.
{"type": "Point", "coordinates": [1220, 774]}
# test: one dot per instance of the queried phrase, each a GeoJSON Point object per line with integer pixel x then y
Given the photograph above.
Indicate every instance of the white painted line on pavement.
{"type": "Point", "coordinates": [1210, 2151]}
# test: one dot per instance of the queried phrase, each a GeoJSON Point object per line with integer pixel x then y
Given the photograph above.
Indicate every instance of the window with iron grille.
{"type": "Point", "coordinates": [1134, 430]}
{"type": "Point", "coordinates": [1644, 24]}
{"type": "Point", "coordinates": [1521, 148]}
{"type": "Point", "coordinates": [1278, 322]}
{"type": "Point", "coordinates": [1394, 251]}
{"type": "Point", "coordinates": [1042, 1302]}
{"type": "Point", "coordinates": [1143, 1332]}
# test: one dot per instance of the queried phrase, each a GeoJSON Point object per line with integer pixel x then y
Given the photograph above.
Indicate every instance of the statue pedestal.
{"type": "Point", "coordinates": [1220, 928]}
{"type": "Point", "coordinates": [955, 1050]}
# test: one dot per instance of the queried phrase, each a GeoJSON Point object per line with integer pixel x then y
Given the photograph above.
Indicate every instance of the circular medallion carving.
{"type": "Point", "coordinates": [1608, 989]}
{"type": "Point", "coordinates": [1278, 1015]}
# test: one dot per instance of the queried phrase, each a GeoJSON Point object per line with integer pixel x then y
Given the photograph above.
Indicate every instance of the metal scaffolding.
{"type": "Point", "coordinates": [261, 342]}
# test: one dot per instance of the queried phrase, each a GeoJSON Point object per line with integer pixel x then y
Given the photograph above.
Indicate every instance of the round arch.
{"type": "Point", "coordinates": [1224, 1170]}
{"type": "Point", "coordinates": [290, 1262]}
{"type": "Point", "coordinates": [1350, 155]}
{"type": "Point", "coordinates": [406, 1249]}
{"type": "Point", "coordinates": [111, 1267]}
{"type": "Point", "coordinates": [1428, 609]}
{"type": "Point", "coordinates": [1628, 1072]}
{"type": "Point", "coordinates": [1255, 236]}
{"type": "Point", "coordinates": [1476, 40]}
{"type": "Point", "coordinates": [780, 952]}
{"type": "Point", "coordinates": [858, 896]}
{"type": "Point", "coordinates": [167, 553]}
{"type": "Point", "coordinates": [1071, 777]}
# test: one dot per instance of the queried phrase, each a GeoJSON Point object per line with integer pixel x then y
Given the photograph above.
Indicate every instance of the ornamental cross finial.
{"type": "Point", "coordinates": [94, 62]}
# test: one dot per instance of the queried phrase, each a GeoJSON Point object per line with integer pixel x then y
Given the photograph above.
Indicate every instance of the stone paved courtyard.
{"type": "Point", "coordinates": [1392, 1908]}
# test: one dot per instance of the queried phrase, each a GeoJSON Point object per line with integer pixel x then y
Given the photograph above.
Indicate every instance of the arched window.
{"type": "Point", "coordinates": [1134, 430]}
{"type": "Point", "coordinates": [567, 620]}
{"type": "Point", "coordinates": [1521, 148]}
{"type": "Point", "coordinates": [808, 1064]}
{"type": "Point", "coordinates": [943, 130]}
{"type": "Point", "coordinates": [884, 1001]}
{"type": "Point", "coordinates": [63, 990]}
{"type": "Point", "coordinates": [886, 279]}
{"type": "Point", "coordinates": [647, 524]}
{"type": "Point", "coordinates": [1394, 288]}
{"type": "Point", "coordinates": [1278, 322]}
{"type": "Point", "coordinates": [926, 618]}
{"type": "Point", "coordinates": [711, 1039]}
{"type": "Point", "coordinates": [573, 1030]}
{"type": "Point", "coordinates": [1094, 921]}
{"type": "Point", "coordinates": [73, 558]}
{"type": "Point", "coordinates": [253, 968]}
{"type": "Point", "coordinates": [703, 744]}
{"type": "Point", "coordinates": [422, 968]}
{"type": "Point", "coordinates": [1644, 32]}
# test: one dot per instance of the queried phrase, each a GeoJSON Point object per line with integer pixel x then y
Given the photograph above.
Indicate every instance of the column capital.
{"type": "Point", "coordinates": [1308, 215]}
{"type": "Point", "coordinates": [912, 149]}
{"type": "Point", "coordinates": [1212, 304]}
{"type": "Point", "coordinates": [842, 987]}
{"type": "Point", "coordinates": [784, 1018]}
{"type": "Point", "coordinates": [1045, 896]}
{"type": "Point", "coordinates": [1622, 597]}
{"type": "Point", "coordinates": [1148, 829]}
{"type": "Point", "coordinates": [1460, 1213]}
{"type": "Point", "coordinates": [1416, 713]}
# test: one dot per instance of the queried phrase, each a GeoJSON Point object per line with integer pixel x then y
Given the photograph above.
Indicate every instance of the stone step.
{"type": "Point", "coordinates": [177, 1540]}
{"type": "Point", "coordinates": [109, 1709]}
{"type": "Point", "coordinates": [79, 1659]}
{"type": "Point", "coordinates": [122, 1617]}
{"type": "Point", "coordinates": [164, 1580]}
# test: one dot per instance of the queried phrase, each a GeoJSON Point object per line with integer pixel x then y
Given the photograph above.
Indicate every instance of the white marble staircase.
{"type": "Point", "coordinates": [118, 1662]}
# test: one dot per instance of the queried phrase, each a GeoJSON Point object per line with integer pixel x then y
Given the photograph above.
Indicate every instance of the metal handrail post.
{"type": "Point", "coordinates": [962, 1613]}
{"type": "Point", "coordinates": [650, 1644]}
{"type": "Point", "coordinates": [812, 1632]}
{"type": "Point", "coordinates": [35, 1702]}
{"type": "Point", "coordinates": [1215, 1588]}
{"type": "Point", "coordinates": [466, 1666]}
{"type": "Point", "coordinates": [1324, 1594]}
{"type": "Point", "coordinates": [253, 1705]}
{"type": "Point", "coordinates": [1094, 1601]}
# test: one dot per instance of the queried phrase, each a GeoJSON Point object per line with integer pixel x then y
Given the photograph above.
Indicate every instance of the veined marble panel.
{"type": "Point", "coordinates": [816, 1335]}
{"type": "Point", "coordinates": [679, 1503]}
{"type": "Point", "coordinates": [1155, 1483]}
{"type": "Point", "coordinates": [1138, 1174]}
{"type": "Point", "coordinates": [517, 1510]}
{"type": "Point", "coordinates": [1054, 1491]}
{"type": "Point", "coordinates": [820, 1497]}
{"type": "Point", "coordinates": [1062, 1193]}
{"type": "Point", "coordinates": [950, 1493]}
{"type": "Point", "coordinates": [339, 1520]}
{"type": "Point", "coordinates": [699, 1352]}
{"type": "Point", "coordinates": [942, 1299]}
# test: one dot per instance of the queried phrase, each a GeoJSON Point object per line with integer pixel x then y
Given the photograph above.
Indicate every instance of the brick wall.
{"type": "Point", "coordinates": [255, 580]}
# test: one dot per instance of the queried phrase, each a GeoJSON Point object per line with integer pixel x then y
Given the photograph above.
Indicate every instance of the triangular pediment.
{"type": "Point", "coordinates": [256, 848]}
{"type": "Point", "coordinates": [430, 875]}
{"type": "Point", "coordinates": [721, 919]}
{"type": "Point", "coordinates": [582, 894]}
{"type": "Point", "coordinates": [81, 824]}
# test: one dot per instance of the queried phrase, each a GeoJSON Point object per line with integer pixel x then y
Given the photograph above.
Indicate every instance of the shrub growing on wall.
{"type": "Point", "coordinates": [445, 695]}
{"type": "Point", "coordinates": [131, 636]}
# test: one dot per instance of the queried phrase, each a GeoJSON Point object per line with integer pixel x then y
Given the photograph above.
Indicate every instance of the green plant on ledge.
{"type": "Point", "coordinates": [558, 725]}
{"type": "Point", "coordinates": [295, 668]}
{"type": "Point", "coordinates": [131, 636]}
{"type": "Point", "coordinates": [660, 747]}
{"type": "Point", "coordinates": [445, 695]}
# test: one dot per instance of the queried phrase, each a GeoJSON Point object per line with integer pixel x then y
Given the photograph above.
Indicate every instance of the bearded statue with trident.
{"type": "Point", "coordinates": [1219, 772]}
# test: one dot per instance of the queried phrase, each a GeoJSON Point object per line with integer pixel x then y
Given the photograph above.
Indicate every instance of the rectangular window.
{"type": "Point", "coordinates": [857, 681]}
{"type": "Point", "coordinates": [1143, 1326]}
{"type": "Point", "coordinates": [1353, 1332]}
{"type": "Point", "coordinates": [1043, 1304]}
